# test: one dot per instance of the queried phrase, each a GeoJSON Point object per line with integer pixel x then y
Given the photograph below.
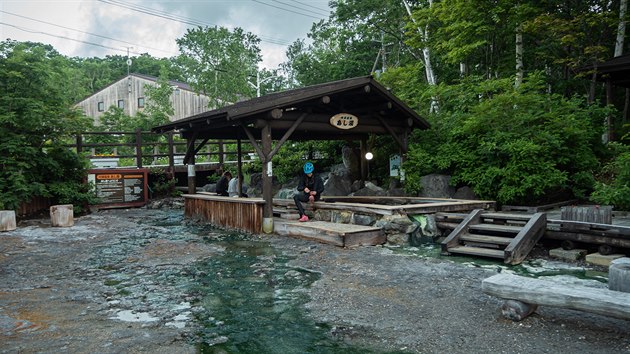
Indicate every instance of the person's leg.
{"type": "Point", "coordinates": [298, 199]}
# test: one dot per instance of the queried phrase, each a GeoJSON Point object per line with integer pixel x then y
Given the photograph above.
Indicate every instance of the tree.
{"type": "Point", "coordinates": [219, 62]}
{"type": "Point", "coordinates": [35, 121]}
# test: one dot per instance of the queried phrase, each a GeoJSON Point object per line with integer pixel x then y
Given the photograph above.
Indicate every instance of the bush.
{"type": "Point", "coordinates": [613, 186]}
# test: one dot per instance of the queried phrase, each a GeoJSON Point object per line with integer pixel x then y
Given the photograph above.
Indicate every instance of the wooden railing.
{"type": "Point", "coordinates": [139, 141]}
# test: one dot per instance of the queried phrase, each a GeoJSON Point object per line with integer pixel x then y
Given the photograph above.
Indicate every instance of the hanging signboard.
{"type": "Point", "coordinates": [344, 121]}
{"type": "Point", "coordinates": [120, 187]}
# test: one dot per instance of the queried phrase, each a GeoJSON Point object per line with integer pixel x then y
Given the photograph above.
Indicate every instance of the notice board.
{"type": "Point", "coordinates": [117, 187]}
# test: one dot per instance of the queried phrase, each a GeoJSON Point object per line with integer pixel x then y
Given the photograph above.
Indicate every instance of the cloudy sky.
{"type": "Point", "coordinates": [95, 28]}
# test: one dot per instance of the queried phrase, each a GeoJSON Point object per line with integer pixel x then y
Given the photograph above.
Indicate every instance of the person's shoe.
{"type": "Point", "coordinates": [304, 218]}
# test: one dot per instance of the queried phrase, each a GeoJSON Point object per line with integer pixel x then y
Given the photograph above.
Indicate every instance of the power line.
{"type": "Point", "coordinates": [315, 7]}
{"type": "Point", "coordinates": [88, 33]}
{"type": "Point", "coordinates": [283, 9]}
{"type": "Point", "coordinates": [297, 7]}
{"type": "Point", "coordinates": [181, 19]}
{"type": "Point", "coordinates": [64, 37]}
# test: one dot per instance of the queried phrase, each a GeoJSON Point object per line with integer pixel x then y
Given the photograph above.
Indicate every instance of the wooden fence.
{"type": "Point", "coordinates": [140, 141]}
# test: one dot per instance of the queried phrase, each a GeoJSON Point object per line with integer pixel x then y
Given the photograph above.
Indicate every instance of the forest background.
{"type": "Point", "coordinates": [516, 113]}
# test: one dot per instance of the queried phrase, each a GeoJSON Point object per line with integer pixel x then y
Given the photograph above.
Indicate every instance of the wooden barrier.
{"type": "Point", "coordinates": [532, 292]}
{"type": "Point", "coordinates": [244, 214]}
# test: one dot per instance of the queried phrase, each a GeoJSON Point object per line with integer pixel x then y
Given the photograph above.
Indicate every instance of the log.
{"type": "Point", "coordinates": [62, 215]}
{"type": "Point", "coordinates": [549, 293]}
{"type": "Point", "coordinates": [619, 275]}
{"type": "Point", "coordinates": [7, 220]}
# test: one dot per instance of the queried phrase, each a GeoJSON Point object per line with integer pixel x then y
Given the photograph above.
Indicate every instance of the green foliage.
{"type": "Point", "coordinates": [35, 119]}
{"type": "Point", "coordinates": [613, 185]}
{"type": "Point", "coordinates": [513, 146]}
{"type": "Point", "coordinates": [219, 62]}
{"type": "Point", "coordinates": [163, 185]}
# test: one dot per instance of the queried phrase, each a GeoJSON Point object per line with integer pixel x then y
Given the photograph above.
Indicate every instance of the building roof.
{"type": "Point", "coordinates": [378, 112]}
{"type": "Point", "coordinates": [616, 70]}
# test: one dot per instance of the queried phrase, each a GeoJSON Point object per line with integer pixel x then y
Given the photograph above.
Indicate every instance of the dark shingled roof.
{"type": "Point", "coordinates": [616, 70]}
{"type": "Point", "coordinates": [378, 112]}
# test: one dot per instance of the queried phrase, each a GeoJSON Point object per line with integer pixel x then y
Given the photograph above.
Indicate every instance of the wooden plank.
{"type": "Point", "coordinates": [590, 228]}
{"type": "Point", "coordinates": [526, 239]}
{"type": "Point", "coordinates": [507, 216]}
{"type": "Point", "coordinates": [497, 240]}
{"type": "Point", "coordinates": [586, 238]}
{"type": "Point", "coordinates": [550, 293]}
{"type": "Point", "coordinates": [596, 214]}
{"type": "Point", "coordinates": [504, 229]}
{"type": "Point", "coordinates": [365, 238]}
{"type": "Point", "coordinates": [343, 235]}
{"type": "Point", "coordinates": [477, 251]}
{"type": "Point", "coordinates": [213, 196]}
{"type": "Point", "coordinates": [452, 240]}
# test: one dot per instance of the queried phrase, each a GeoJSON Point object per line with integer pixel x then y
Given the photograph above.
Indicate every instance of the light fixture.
{"type": "Point", "coordinates": [369, 156]}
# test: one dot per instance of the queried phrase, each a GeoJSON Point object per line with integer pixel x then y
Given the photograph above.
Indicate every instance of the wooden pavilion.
{"type": "Point", "coordinates": [351, 110]}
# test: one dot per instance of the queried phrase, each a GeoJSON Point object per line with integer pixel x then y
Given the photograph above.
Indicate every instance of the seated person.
{"type": "Point", "coordinates": [309, 189]}
{"type": "Point", "coordinates": [222, 184]}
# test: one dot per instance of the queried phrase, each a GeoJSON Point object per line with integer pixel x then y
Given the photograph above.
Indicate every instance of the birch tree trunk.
{"type": "Point", "coordinates": [426, 54]}
{"type": "Point", "coordinates": [519, 56]}
{"type": "Point", "coordinates": [621, 28]}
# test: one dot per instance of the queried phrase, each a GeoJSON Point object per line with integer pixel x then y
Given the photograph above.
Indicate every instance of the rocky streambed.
{"type": "Point", "coordinates": [146, 280]}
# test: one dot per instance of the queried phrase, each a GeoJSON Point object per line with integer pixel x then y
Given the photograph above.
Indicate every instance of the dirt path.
{"type": "Point", "coordinates": [61, 290]}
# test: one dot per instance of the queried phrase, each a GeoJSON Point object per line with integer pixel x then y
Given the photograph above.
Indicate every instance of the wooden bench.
{"type": "Point", "coordinates": [524, 295]}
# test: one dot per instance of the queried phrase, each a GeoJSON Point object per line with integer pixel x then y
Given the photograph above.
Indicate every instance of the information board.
{"type": "Point", "coordinates": [120, 187]}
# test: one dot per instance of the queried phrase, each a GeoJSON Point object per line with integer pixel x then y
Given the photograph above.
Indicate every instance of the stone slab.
{"type": "Point", "coordinates": [599, 259]}
{"type": "Point", "coordinates": [569, 255]}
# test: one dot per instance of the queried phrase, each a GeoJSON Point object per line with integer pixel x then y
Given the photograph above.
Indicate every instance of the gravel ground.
{"type": "Point", "coordinates": [58, 294]}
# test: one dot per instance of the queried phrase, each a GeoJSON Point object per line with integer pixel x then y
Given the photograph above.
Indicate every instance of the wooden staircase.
{"type": "Point", "coordinates": [497, 235]}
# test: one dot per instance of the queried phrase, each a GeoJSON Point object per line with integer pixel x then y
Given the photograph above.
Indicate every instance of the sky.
{"type": "Point", "coordinates": [96, 28]}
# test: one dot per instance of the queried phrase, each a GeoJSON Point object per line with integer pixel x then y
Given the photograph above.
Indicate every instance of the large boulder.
{"type": "Point", "coordinates": [436, 186]}
{"type": "Point", "coordinates": [352, 161]}
{"type": "Point", "coordinates": [255, 185]}
{"type": "Point", "coordinates": [370, 190]}
{"type": "Point", "coordinates": [339, 181]}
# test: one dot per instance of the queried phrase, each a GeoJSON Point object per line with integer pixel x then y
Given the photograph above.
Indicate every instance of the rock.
{"type": "Point", "coordinates": [398, 239]}
{"type": "Point", "coordinates": [427, 230]}
{"type": "Point", "coordinates": [342, 217]}
{"type": "Point", "coordinates": [339, 181]}
{"type": "Point", "coordinates": [371, 190]}
{"type": "Point", "coordinates": [210, 188]}
{"type": "Point", "coordinates": [364, 220]}
{"type": "Point", "coordinates": [466, 193]}
{"type": "Point", "coordinates": [351, 161]}
{"type": "Point", "coordinates": [436, 186]}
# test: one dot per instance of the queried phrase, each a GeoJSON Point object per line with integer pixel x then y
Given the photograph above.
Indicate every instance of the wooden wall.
{"type": "Point", "coordinates": [185, 103]}
{"type": "Point", "coordinates": [244, 214]}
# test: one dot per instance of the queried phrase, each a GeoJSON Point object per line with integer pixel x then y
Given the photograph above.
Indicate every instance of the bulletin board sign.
{"type": "Point", "coordinates": [120, 187]}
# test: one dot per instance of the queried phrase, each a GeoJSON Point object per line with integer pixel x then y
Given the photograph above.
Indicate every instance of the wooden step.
{"type": "Point", "coordinates": [478, 251]}
{"type": "Point", "coordinates": [506, 216]}
{"type": "Point", "coordinates": [343, 235]}
{"type": "Point", "coordinates": [505, 229]}
{"type": "Point", "coordinates": [495, 240]}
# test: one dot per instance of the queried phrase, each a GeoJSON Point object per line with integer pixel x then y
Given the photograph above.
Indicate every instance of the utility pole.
{"type": "Point", "coordinates": [260, 82]}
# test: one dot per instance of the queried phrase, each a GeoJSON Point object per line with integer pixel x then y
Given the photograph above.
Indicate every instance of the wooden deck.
{"type": "Point", "coordinates": [343, 235]}
{"type": "Point", "coordinates": [245, 214]}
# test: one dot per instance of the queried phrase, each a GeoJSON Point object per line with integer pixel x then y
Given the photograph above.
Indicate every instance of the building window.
{"type": "Point", "coordinates": [141, 102]}
{"type": "Point", "coordinates": [121, 104]}
{"type": "Point", "coordinates": [101, 106]}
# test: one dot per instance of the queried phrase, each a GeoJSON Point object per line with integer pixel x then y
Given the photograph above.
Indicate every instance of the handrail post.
{"type": "Point", "coordinates": [171, 151]}
{"type": "Point", "coordinates": [139, 147]}
{"type": "Point", "coordinates": [79, 145]}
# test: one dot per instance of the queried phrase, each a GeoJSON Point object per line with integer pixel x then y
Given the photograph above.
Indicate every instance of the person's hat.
{"type": "Point", "coordinates": [308, 168]}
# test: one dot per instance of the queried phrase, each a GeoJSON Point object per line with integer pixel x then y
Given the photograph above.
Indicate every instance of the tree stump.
{"type": "Point", "coordinates": [62, 215]}
{"type": "Point", "coordinates": [7, 220]}
{"type": "Point", "coordinates": [619, 275]}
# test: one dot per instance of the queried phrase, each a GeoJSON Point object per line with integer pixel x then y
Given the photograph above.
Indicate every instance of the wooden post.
{"type": "Point", "coordinates": [7, 220]}
{"type": "Point", "coordinates": [171, 151]}
{"type": "Point", "coordinates": [192, 183]}
{"type": "Point", "coordinates": [363, 161]}
{"type": "Point", "coordinates": [619, 275]}
{"type": "Point", "coordinates": [79, 143]}
{"type": "Point", "coordinates": [139, 148]}
{"type": "Point", "coordinates": [267, 174]}
{"type": "Point", "coordinates": [221, 153]}
{"type": "Point", "coordinates": [239, 166]}
{"type": "Point", "coordinates": [62, 215]}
